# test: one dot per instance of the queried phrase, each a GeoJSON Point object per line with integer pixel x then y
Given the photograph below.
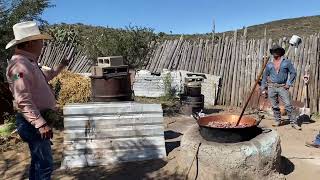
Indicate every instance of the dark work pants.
{"type": "Point", "coordinates": [40, 149]}
{"type": "Point", "coordinates": [280, 92]}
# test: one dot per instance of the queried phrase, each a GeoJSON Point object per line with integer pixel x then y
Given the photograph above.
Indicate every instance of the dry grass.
{"type": "Point", "coordinates": [71, 88]}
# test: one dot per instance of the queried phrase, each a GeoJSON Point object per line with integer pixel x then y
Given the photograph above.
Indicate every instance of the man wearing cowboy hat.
{"type": "Point", "coordinates": [277, 72]}
{"type": "Point", "coordinates": [32, 94]}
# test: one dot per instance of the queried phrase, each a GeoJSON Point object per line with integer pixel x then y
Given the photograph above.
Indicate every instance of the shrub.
{"type": "Point", "coordinates": [9, 126]}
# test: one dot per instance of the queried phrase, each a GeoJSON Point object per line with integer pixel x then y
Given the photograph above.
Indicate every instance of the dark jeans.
{"type": "Point", "coordinates": [40, 149]}
{"type": "Point", "coordinates": [280, 92]}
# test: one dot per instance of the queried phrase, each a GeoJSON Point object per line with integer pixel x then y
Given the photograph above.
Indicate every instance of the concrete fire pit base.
{"type": "Point", "coordinates": [256, 159]}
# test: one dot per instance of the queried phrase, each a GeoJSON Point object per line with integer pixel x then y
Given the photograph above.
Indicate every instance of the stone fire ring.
{"type": "Point", "coordinates": [256, 159]}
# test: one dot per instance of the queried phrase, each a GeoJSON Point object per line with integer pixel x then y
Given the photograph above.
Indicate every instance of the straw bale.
{"type": "Point", "coordinates": [71, 88]}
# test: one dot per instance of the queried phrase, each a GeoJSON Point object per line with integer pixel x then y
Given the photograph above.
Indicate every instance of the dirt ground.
{"type": "Point", "coordinates": [300, 162]}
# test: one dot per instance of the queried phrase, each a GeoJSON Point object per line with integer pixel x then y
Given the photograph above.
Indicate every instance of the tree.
{"type": "Point", "coordinates": [131, 42]}
{"type": "Point", "coordinates": [12, 12]}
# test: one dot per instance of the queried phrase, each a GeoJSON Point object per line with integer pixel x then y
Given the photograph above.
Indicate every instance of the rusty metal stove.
{"type": "Point", "coordinates": [110, 80]}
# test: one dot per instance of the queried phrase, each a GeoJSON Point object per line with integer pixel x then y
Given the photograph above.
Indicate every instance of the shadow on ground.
{"type": "Point", "coordinates": [136, 170]}
{"type": "Point", "coordinates": [286, 166]}
{"type": "Point", "coordinates": [148, 169]}
{"type": "Point", "coordinates": [212, 111]}
{"type": "Point", "coordinates": [171, 134]}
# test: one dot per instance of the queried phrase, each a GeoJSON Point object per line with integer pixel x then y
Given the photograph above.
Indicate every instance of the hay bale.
{"type": "Point", "coordinates": [71, 88]}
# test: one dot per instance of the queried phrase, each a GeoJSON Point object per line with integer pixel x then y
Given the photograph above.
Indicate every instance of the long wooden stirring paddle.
{"type": "Point", "coordinates": [266, 59]}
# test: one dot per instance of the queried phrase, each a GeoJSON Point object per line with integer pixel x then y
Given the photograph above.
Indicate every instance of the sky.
{"type": "Point", "coordinates": [178, 16]}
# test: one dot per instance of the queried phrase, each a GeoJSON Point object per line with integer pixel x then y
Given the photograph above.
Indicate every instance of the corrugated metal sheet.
{"type": "Point", "coordinates": [110, 133]}
{"type": "Point", "coordinates": [147, 85]}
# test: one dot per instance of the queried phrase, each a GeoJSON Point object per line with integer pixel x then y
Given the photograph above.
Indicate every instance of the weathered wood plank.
{"type": "Point", "coordinates": [304, 62]}
{"type": "Point", "coordinates": [212, 65]}
{"type": "Point", "coordinates": [231, 75]}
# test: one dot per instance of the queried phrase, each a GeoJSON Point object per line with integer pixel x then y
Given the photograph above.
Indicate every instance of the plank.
{"type": "Point", "coordinates": [222, 68]}
{"type": "Point", "coordinates": [188, 60]}
{"type": "Point", "coordinates": [239, 74]}
{"type": "Point", "coordinates": [231, 77]}
{"type": "Point", "coordinates": [299, 71]}
{"type": "Point", "coordinates": [213, 66]}
{"type": "Point", "coordinates": [247, 69]}
{"type": "Point", "coordinates": [219, 57]}
{"type": "Point", "coordinates": [317, 78]}
{"type": "Point", "coordinates": [205, 58]}
{"type": "Point", "coordinates": [156, 57]}
{"type": "Point", "coordinates": [195, 55]}
{"type": "Point", "coordinates": [313, 69]}
{"type": "Point", "coordinates": [198, 57]}
{"type": "Point", "coordinates": [182, 54]}
{"type": "Point", "coordinates": [226, 72]}
{"type": "Point", "coordinates": [175, 58]}
{"type": "Point", "coordinates": [304, 62]}
{"type": "Point", "coordinates": [163, 56]}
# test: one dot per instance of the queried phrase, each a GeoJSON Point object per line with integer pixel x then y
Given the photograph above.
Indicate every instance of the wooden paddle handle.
{"type": "Point", "coordinates": [253, 88]}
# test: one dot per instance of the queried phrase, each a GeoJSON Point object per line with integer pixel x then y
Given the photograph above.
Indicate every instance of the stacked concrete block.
{"type": "Point", "coordinates": [110, 133]}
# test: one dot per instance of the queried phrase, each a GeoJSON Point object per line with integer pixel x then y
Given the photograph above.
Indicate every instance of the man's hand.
{"type": "Point", "coordinates": [286, 87]}
{"type": "Point", "coordinates": [46, 132]}
{"type": "Point", "coordinates": [264, 93]}
{"type": "Point", "coordinates": [65, 62]}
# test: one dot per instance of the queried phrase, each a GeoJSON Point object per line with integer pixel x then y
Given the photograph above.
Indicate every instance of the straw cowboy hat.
{"type": "Point", "coordinates": [26, 31]}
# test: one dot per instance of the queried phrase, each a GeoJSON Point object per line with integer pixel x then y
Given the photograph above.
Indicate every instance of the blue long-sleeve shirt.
{"type": "Point", "coordinates": [286, 69]}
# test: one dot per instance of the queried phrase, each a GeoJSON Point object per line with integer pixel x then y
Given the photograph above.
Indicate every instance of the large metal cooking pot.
{"type": "Point", "coordinates": [226, 121]}
{"type": "Point", "coordinates": [222, 128]}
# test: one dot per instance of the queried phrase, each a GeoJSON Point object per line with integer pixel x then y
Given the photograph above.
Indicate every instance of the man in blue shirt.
{"type": "Point", "coordinates": [315, 143]}
{"type": "Point", "coordinates": [276, 78]}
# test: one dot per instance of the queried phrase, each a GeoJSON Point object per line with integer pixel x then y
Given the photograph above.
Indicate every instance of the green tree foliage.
{"type": "Point", "coordinates": [131, 42]}
{"type": "Point", "coordinates": [12, 12]}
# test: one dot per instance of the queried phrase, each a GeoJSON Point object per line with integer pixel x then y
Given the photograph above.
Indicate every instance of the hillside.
{"type": "Point", "coordinates": [302, 26]}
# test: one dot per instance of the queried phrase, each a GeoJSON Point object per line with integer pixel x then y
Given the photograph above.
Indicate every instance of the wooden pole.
{"type": "Point", "coordinates": [253, 88]}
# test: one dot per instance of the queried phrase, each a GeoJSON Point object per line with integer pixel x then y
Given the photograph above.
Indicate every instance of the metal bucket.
{"type": "Point", "coordinates": [192, 91]}
{"type": "Point", "coordinates": [190, 105]}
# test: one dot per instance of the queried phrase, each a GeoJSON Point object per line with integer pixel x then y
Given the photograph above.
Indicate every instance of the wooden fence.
{"type": "Point", "coordinates": [238, 61]}
{"type": "Point", "coordinates": [54, 52]}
